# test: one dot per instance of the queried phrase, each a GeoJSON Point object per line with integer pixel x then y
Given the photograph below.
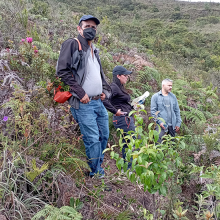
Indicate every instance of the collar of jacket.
{"type": "Point", "coordinates": [83, 41]}
{"type": "Point", "coordinates": [170, 93]}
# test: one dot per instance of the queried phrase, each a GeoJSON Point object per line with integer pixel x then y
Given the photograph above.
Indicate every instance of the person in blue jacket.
{"type": "Point", "coordinates": [119, 104]}
{"type": "Point", "coordinates": [165, 102]}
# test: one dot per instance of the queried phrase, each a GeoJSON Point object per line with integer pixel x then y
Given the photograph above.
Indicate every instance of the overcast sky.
{"type": "Point", "coordinates": [200, 0]}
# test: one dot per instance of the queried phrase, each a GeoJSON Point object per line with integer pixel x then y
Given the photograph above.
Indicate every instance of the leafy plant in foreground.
{"type": "Point", "coordinates": [211, 195]}
{"type": "Point", "coordinates": [154, 163]}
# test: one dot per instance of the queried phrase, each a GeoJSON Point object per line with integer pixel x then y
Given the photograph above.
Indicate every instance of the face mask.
{"type": "Point", "coordinates": [89, 33]}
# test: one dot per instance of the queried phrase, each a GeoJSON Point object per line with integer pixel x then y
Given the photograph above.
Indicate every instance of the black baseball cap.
{"type": "Point", "coordinates": [120, 70]}
{"type": "Point", "coordinates": [89, 17]}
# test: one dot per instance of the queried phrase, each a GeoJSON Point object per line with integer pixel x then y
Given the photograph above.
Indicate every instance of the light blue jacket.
{"type": "Point", "coordinates": [157, 104]}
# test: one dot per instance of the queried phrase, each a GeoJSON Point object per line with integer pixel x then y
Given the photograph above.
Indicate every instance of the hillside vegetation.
{"type": "Point", "coordinates": [42, 156]}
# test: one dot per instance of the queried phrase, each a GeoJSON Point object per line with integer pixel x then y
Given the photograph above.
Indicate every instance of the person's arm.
{"type": "Point", "coordinates": [64, 70]}
{"type": "Point", "coordinates": [109, 106]}
{"type": "Point", "coordinates": [154, 108]}
{"type": "Point", "coordinates": [107, 103]}
{"type": "Point", "coordinates": [177, 113]}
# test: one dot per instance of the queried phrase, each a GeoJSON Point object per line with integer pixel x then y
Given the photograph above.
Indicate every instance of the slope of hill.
{"type": "Point", "coordinates": [43, 159]}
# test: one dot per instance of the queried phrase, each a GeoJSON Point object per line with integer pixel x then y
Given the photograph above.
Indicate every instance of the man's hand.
{"type": "Point", "coordinates": [118, 113]}
{"type": "Point", "coordinates": [103, 96]}
{"type": "Point", "coordinates": [177, 128]}
{"type": "Point", "coordinates": [161, 125]}
{"type": "Point", "coordinates": [85, 99]}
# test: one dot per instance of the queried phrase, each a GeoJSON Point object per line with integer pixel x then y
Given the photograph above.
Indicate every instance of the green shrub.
{"type": "Point", "coordinates": [40, 8]}
{"type": "Point", "coordinates": [145, 42]}
{"type": "Point", "coordinates": [155, 9]}
{"type": "Point", "coordinates": [176, 16]}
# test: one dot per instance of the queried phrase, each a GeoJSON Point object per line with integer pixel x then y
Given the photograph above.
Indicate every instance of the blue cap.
{"type": "Point", "coordinates": [89, 17]}
{"type": "Point", "coordinates": [120, 70]}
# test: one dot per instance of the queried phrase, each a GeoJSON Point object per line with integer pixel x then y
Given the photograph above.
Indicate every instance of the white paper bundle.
{"type": "Point", "coordinates": [139, 101]}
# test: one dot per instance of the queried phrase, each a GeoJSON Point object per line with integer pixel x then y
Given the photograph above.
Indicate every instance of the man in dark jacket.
{"type": "Point", "coordinates": [82, 71]}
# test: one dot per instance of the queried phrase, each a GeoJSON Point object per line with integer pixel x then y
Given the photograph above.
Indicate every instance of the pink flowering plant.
{"type": "Point", "coordinates": [34, 63]}
{"type": "Point", "coordinates": [27, 49]}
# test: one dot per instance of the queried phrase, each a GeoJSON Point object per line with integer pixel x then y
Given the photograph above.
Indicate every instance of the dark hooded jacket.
{"type": "Point", "coordinates": [71, 68]}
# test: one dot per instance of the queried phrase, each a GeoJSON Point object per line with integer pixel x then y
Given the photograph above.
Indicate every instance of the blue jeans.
{"type": "Point", "coordinates": [127, 124]}
{"type": "Point", "coordinates": [93, 122]}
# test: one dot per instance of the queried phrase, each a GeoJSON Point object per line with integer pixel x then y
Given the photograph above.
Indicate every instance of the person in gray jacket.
{"type": "Point", "coordinates": [165, 102]}
{"type": "Point", "coordinates": [82, 71]}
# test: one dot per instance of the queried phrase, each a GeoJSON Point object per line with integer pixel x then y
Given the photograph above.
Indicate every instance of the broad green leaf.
{"type": "Point", "coordinates": [151, 151]}
{"type": "Point", "coordinates": [132, 112]}
{"type": "Point", "coordinates": [164, 167]}
{"type": "Point", "coordinates": [163, 212]}
{"type": "Point", "coordinates": [140, 120]}
{"type": "Point", "coordinates": [151, 133]}
{"type": "Point", "coordinates": [156, 136]}
{"type": "Point", "coordinates": [163, 191]}
{"type": "Point", "coordinates": [160, 155]}
{"type": "Point", "coordinates": [72, 202]}
{"type": "Point", "coordinates": [125, 167]}
{"type": "Point", "coordinates": [162, 177]}
{"type": "Point", "coordinates": [128, 155]}
{"type": "Point", "coordinates": [152, 191]}
{"type": "Point", "coordinates": [178, 162]}
{"type": "Point", "coordinates": [182, 145]}
{"type": "Point", "coordinates": [120, 163]}
{"type": "Point", "coordinates": [150, 125]}
{"type": "Point", "coordinates": [116, 156]}
{"type": "Point", "coordinates": [140, 160]}
{"type": "Point", "coordinates": [134, 163]}
{"type": "Point", "coordinates": [112, 154]}
{"type": "Point", "coordinates": [142, 110]}
{"type": "Point", "coordinates": [139, 129]}
{"type": "Point", "coordinates": [162, 120]}
{"type": "Point", "coordinates": [138, 170]}
{"type": "Point", "coordinates": [132, 177]}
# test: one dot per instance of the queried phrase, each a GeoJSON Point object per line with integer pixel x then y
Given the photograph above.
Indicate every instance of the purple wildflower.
{"type": "Point", "coordinates": [22, 40]}
{"type": "Point", "coordinates": [5, 118]}
{"type": "Point", "coordinates": [29, 39]}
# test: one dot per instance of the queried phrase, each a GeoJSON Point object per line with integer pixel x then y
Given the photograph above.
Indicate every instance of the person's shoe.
{"type": "Point", "coordinates": [98, 176]}
{"type": "Point", "coordinates": [130, 172]}
{"type": "Point", "coordinates": [107, 188]}
{"type": "Point", "coordinates": [86, 173]}
{"type": "Point", "coordinates": [101, 176]}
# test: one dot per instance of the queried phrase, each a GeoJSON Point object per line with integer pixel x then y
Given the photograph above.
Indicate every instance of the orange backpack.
{"type": "Point", "coordinates": [60, 96]}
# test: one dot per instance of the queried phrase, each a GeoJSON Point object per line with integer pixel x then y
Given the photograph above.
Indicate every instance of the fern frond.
{"type": "Point", "coordinates": [193, 114]}
{"type": "Point", "coordinates": [77, 161]}
{"type": "Point", "coordinates": [52, 213]}
{"type": "Point", "coordinates": [45, 47]}
{"type": "Point", "coordinates": [147, 74]}
{"type": "Point", "coordinates": [208, 115]}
